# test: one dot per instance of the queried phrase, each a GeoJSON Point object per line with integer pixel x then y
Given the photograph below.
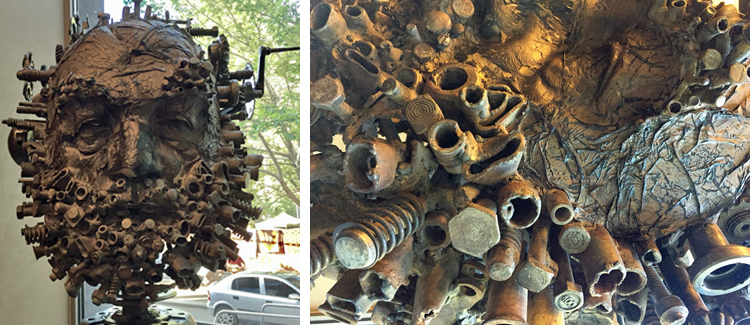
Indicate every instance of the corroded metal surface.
{"type": "Point", "coordinates": [133, 161]}
{"type": "Point", "coordinates": [594, 138]}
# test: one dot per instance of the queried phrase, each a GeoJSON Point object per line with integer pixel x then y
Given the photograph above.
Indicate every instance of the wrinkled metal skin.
{"type": "Point", "coordinates": [135, 156]}
{"type": "Point", "coordinates": [570, 145]}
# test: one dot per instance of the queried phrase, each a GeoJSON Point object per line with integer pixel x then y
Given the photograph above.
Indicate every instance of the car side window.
{"type": "Point", "coordinates": [249, 285]}
{"type": "Point", "coordinates": [277, 288]}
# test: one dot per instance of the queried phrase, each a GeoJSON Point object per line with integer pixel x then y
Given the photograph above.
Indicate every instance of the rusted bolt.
{"type": "Point", "coordinates": [438, 22]}
{"type": "Point", "coordinates": [328, 94]}
{"type": "Point", "coordinates": [502, 259]}
{"type": "Point", "coordinates": [538, 270]}
{"type": "Point", "coordinates": [433, 288]}
{"type": "Point", "coordinates": [678, 282]}
{"type": "Point", "coordinates": [507, 302]}
{"type": "Point", "coordinates": [475, 230]}
{"type": "Point", "coordinates": [397, 91]}
{"type": "Point", "coordinates": [574, 238]}
{"type": "Point", "coordinates": [601, 262]}
{"type": "Point", "coordinates": [423, 52]}
{"type": "Point", "coordinates": [466, 194]}
{"type": "Point", "coordinates": [568, 295]}
{"type": "Point", "coordinates": [387, 275]}
{"type": "Point", "coordinates": [542, 309]}
{"type": "Point", "coordinates": [519, 204]}
{"type": "Point", "coordinates": [669, 308]}
{"type": "Point", "coordinates": [462, 10]}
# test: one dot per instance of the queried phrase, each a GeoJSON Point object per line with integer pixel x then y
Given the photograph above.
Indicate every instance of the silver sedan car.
{"type": "Point", "coordinates": [255, 292]}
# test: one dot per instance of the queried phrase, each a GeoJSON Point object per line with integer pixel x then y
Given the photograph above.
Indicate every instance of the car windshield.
{"type": "Point", "coordinates": [294, 279]}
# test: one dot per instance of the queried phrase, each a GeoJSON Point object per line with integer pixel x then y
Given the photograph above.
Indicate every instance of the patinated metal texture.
{"type": "Point", "coordinates": [569, 144]}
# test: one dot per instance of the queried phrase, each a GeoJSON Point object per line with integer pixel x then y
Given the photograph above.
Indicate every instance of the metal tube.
{"type": "Point", "coordinates": [433, 288]}
{"type": "Point", "coordinates": [519, 204]}
{"type": "Point", "coordinates": [601, 262]}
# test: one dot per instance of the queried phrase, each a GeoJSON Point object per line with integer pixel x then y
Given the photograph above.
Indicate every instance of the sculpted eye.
{"type": "Point", "coordinates": [93, 128]}
{"type": "Point", "coordinates": [174, 128]}
{"type": "Point", "coordinates": [92, 134]}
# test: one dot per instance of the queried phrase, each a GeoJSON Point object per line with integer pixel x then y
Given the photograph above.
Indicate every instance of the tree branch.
{"type": "Point", "coordinates": [286, 188]}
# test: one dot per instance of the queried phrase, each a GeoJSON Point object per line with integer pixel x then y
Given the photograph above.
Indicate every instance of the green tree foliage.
{"type": "Point", "coordinates": [274, 129]}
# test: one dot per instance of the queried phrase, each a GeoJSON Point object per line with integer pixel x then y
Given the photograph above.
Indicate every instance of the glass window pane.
{"type": "Point", "coordinates": [249, 285]}
{"type": "Point", "coordinates": [277, 288]}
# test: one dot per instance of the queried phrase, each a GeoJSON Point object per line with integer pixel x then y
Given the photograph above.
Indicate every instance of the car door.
{"type": "Point", "coordinates": [277, 291]}
{"type": "Point", "coordinates": [247, 296]}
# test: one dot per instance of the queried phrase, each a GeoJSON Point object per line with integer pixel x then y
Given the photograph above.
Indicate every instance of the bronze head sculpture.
{"type": "Point", "coordinates": [613, 131]}
{"type": "Point", "coordinates": [136, 165]}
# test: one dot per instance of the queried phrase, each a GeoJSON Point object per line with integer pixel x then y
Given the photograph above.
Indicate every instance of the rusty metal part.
{"type": "Point", "coordinates": [678, 282]}
{"type": "Point", "coordinates": [328, 94]}
{"type": "Point", "coordinates": [448, 143]}
{"type": "Point", "coordinates": [467, 292]}
{"type": "Point", "coordinates": [574, 238]}
{"type": "Point", "coordinates": [559, 207]}
{"type": "Point", "coordinates": [669, 308]}
{"type": "Point", "coordinates": [382, 280]}
{"type": "Point", "coordinates": [370, 165]}
{"type": "Point", "coordinates": [422, 113]}
{"type": "Point", "coordinates": [538, 270]}
{"type": "Point", "coordinates": [360, 244]}
{"type": "Point", "coordinates": [435, 231]}
{"type": "Point", "coordinates": [633, 307]}
{"type": "Point", "coordinates": [542, 309]}
{"type": "Point", "coordinates": [568, 295]}
{"type": "Point", "coordinates": [719, 268]}
{"type": "Point", "coordinates": [507, 302]}
{"type": "Point", "coordinates": [321, 253]}
{"type": "Point", "coordinates": [635, 276]}
{"type": "Point", "coordinates": [347, 295]}
{"type": "Point", "coordinates": [502, 259]}
{"type": "Point", "coordinates": [648, 251]}
{"type": "Point", "coordinates": [433, 288]}
{"type": "Point", "coordinates": [495, 159]}
{"type": "Point", "coordinates": [519, 204]}
{"type": "Point", "coordinates": [601, 262]}
{"type": "Point", "coordinates": [327, 24]}
{"type": "Point", "coordinates": [475, 229]}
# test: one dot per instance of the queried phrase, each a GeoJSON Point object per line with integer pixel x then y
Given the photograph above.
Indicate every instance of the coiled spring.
{"type": "Point", "coordinates": [245, 207]}
{"type": "Point", "coordinates": [34, 234]}
{"type": "Point", "coordinates": [321, 253]}
{"type": "Point", "coordinates": [380, 229]}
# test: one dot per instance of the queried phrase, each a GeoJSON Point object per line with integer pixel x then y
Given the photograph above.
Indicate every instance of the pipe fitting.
{"type": "Point", "coordinates": [538, 270]}
{"type": "Point", "coordinates": [474, 103]}
{"type": "Point", "coordinates": [601, 262]}
{"type": "Point", "coordinates": [558, 206]}
{"type": "Point", "coordinates": [327, 24]}
{"type": "Point", "coordinates": [715, 26]}
{"type": "Point", "coordinates": [494, 160]}
{"type": "Point", "coordinates": [357, 19]}
{"type": "Point", "coordinates": [635, 276]}
{"type": "Point", "coordinates": [365, 75]}
{"type": "Point", "coordinates": [719, 268]}
{"type": "Point", "coordinates": [446, 82]}
{"type": "Point", "coordinates": [475, 230]}
{"type": "Point", "coordinates": [370, 166]}
{"type": "Point", "coordinates": [648, 251]}
{"type": "Point", "coordinates": [397, 92]}
{"type": "Point", "coordinates": [633, 307]}
{"type": "Point", "coordinates": [448, 143]}
{"type": "Point", "coordinates": [435, 231]}
{"type": "Point", "coordinates": [519, 204]}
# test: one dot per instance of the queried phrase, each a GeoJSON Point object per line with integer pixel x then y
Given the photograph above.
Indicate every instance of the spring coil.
{"type": "Point", "coordinates": [245, 207]}
{"type": "Point", "coordinates": [386, 226]}
{"type": "Point", "coordinates": [59, 52]}
{"type": "Point", "coordinates": [35, 234]}
{"type": "Point", "coordinates": [321, 253]}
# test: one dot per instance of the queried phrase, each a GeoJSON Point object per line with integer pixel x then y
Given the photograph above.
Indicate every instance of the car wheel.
{"type": "Point", "coordinates": [225, 318]}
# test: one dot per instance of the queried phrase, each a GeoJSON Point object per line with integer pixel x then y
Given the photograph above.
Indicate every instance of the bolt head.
{"type": "Point", "coordinates": [474, 230]}
{"type": "Point", "coordinates": [568, 296]}
{"type": "Point", "coordinates": [355, 249]}
{"type": "Point", "coordinates": [671, 310]}
{"type": "Point", "coordinates": [534, 275]}
{"type": "Point", "coordinates": [327, 93]}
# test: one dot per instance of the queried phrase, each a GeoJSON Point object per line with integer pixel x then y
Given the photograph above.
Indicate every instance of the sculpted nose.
{"type": "Point", "coordinates": [138, 152]}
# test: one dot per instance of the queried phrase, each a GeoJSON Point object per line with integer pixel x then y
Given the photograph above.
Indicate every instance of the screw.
{"type": "Point", "coordinates": [669, 308]}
